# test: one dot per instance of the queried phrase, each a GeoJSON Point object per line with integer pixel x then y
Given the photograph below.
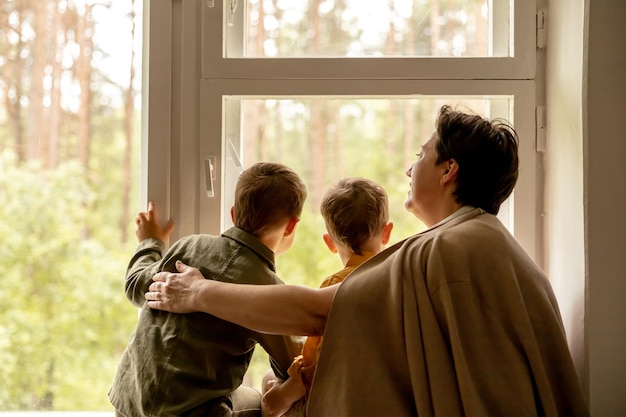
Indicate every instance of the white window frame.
{"type": "Point", "coordinates": [186, 78]}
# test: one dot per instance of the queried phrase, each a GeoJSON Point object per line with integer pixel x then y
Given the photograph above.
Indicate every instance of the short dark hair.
{"type": "Point", "coordinates": [486, 152]}
{"type": "Point", "coordinates": [266, 194]}
{"type": "Point", "coordinates": [354, 210]}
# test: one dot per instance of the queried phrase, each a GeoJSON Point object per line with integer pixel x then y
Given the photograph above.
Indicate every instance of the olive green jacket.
{"type": "Point", "coordinates": [176, 362]}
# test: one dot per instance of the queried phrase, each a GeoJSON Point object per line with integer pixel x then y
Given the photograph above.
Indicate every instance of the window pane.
{"type": "Point", "coordinates": [368, 28]}
{"type": "Point", "coordinates": [325, 139]}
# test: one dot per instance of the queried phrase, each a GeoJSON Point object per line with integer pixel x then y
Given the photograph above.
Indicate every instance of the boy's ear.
{"type": "Point", "coordinates": [330, 243]}
{"type": "Point", "coordinates": [232, 213]}
{"type": "Point", "coordinates": [291, 226]}
{"type": "Point", "coordinates": [387, 233]}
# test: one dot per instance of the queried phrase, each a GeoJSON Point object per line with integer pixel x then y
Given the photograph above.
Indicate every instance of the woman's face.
{"type": "Point", "coordinates": [425, 184]}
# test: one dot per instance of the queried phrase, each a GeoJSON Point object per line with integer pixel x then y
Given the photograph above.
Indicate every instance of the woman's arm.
{"type": "Point", "coordinates": [276, 309]}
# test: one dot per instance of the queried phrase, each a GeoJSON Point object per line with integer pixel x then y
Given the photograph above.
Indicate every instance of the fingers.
{"type": "Point", "coordinates": [155, 287]}
{"type": "Point", "coordinates": [159, 277]}
{"type": "Point", "coordinates": [151, 216]}
{"type": "Point", "coordinates": [181, 267]}
{"type": "Point", "coordinates": [155, 305]}
{"type": "Point", "coordinates": [145, 216]}
{"type": "Point", "coordinates": [151, 210]}
{"type": "Point", "coordinates": [169, 226]}
{"type": "Point", "coordinates": [153, 296]}
{"type": "Point", "coordinates": [142, 217]}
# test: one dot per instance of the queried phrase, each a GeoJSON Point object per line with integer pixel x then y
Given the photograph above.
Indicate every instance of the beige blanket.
{"type": "Point", "coordinates": [455, 321]}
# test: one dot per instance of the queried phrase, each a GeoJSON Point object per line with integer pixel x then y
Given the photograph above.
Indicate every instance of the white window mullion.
{"type": "Point", "coordinates": [210, 150]}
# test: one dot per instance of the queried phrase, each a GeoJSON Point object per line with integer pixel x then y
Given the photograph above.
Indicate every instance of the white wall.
{"type": "Point", "coordinates": [563, 166]}
{"type": "Point", "coordinates": [585, 191]}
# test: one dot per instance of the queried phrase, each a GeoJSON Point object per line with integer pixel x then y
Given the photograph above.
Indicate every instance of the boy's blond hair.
{"type": "Point", "coordinates": [266, 194]}
{"type": "Point", "coordinates": [355, 209]}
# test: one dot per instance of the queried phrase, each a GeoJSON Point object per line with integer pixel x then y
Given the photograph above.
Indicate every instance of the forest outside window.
{"type": "Point", "coordinates": [327, 138]}
{"type": "Point", "coordinates": [365, 28]}
{"type": "Point", "coordinates": [70, 79]}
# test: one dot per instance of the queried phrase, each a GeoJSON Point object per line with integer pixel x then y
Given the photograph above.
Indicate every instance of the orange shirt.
{"type": "Point", "coordinates": [303, 366]}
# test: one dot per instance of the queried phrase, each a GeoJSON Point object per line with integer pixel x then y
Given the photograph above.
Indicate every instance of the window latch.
{"type": "Point", "coordinates": [232, 6]}
{"type": "Point", "coordinates": [209, 174]}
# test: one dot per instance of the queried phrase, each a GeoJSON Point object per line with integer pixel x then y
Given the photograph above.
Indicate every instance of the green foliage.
{"type": "Point", "coordinates": [308, 261]}
{"type": "Point", "coordinates": [63, 318]}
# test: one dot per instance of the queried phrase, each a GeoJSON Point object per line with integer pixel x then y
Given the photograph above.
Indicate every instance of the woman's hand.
{"type": "Point", "coordinates": [176, 292]}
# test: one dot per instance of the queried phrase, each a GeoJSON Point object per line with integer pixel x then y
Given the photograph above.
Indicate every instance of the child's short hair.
{"type": "Point", "coordinates": [266, 194]}
{"type": "Point", "coordinates": [355, 209]}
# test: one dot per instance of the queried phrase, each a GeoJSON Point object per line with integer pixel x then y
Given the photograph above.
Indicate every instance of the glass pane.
{"type": "Point", "coordinates": [327, 138]}
{"type": "Point", "coordinates": [368, 28]}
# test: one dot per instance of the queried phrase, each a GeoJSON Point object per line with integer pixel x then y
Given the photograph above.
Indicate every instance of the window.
{"type": "Point", "coordinates": [209, 95]}
{"type": "Point", "coordinates": [227, 82]}
{"type": "Point", "coordinates": [326, 88]}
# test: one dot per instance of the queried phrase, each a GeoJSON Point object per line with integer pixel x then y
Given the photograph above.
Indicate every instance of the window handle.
{"type": "Point", "coordinates": [232, 151]}
{"type": "Point", "coordinates": [209, 174]}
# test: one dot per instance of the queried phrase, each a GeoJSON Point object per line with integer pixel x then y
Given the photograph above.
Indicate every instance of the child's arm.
{"type": "Point", "coordinates": [142, 266]}
{"type": "Point", "coordinates": [145, 262]}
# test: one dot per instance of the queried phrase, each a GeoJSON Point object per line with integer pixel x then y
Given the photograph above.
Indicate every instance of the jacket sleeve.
{"type": "Point", "coordinates": [141, 268]}
{"type": "Point", "coordinates": [281, 351]}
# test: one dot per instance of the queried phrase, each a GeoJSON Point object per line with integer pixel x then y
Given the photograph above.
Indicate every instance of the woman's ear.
{"type": "Point", "coordinates": [450, 172]}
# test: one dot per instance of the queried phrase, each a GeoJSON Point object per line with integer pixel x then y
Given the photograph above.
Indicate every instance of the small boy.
{"type": "Point", "coordinates": [356, 213]}
{"type": "Point", "coordinates": [193, 364]}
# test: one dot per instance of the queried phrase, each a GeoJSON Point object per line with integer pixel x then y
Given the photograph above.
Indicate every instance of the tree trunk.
{"type": "Point", "coordinates": [55, 111]}
{"type": "Point", "coordinates": [37, 140]}
{"type": "Point", "coordinates": [129, 107]}
{"type": "Point", "coordinates": [12, 75]}
{"type": "Point", "coordinates": [84, 39]}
